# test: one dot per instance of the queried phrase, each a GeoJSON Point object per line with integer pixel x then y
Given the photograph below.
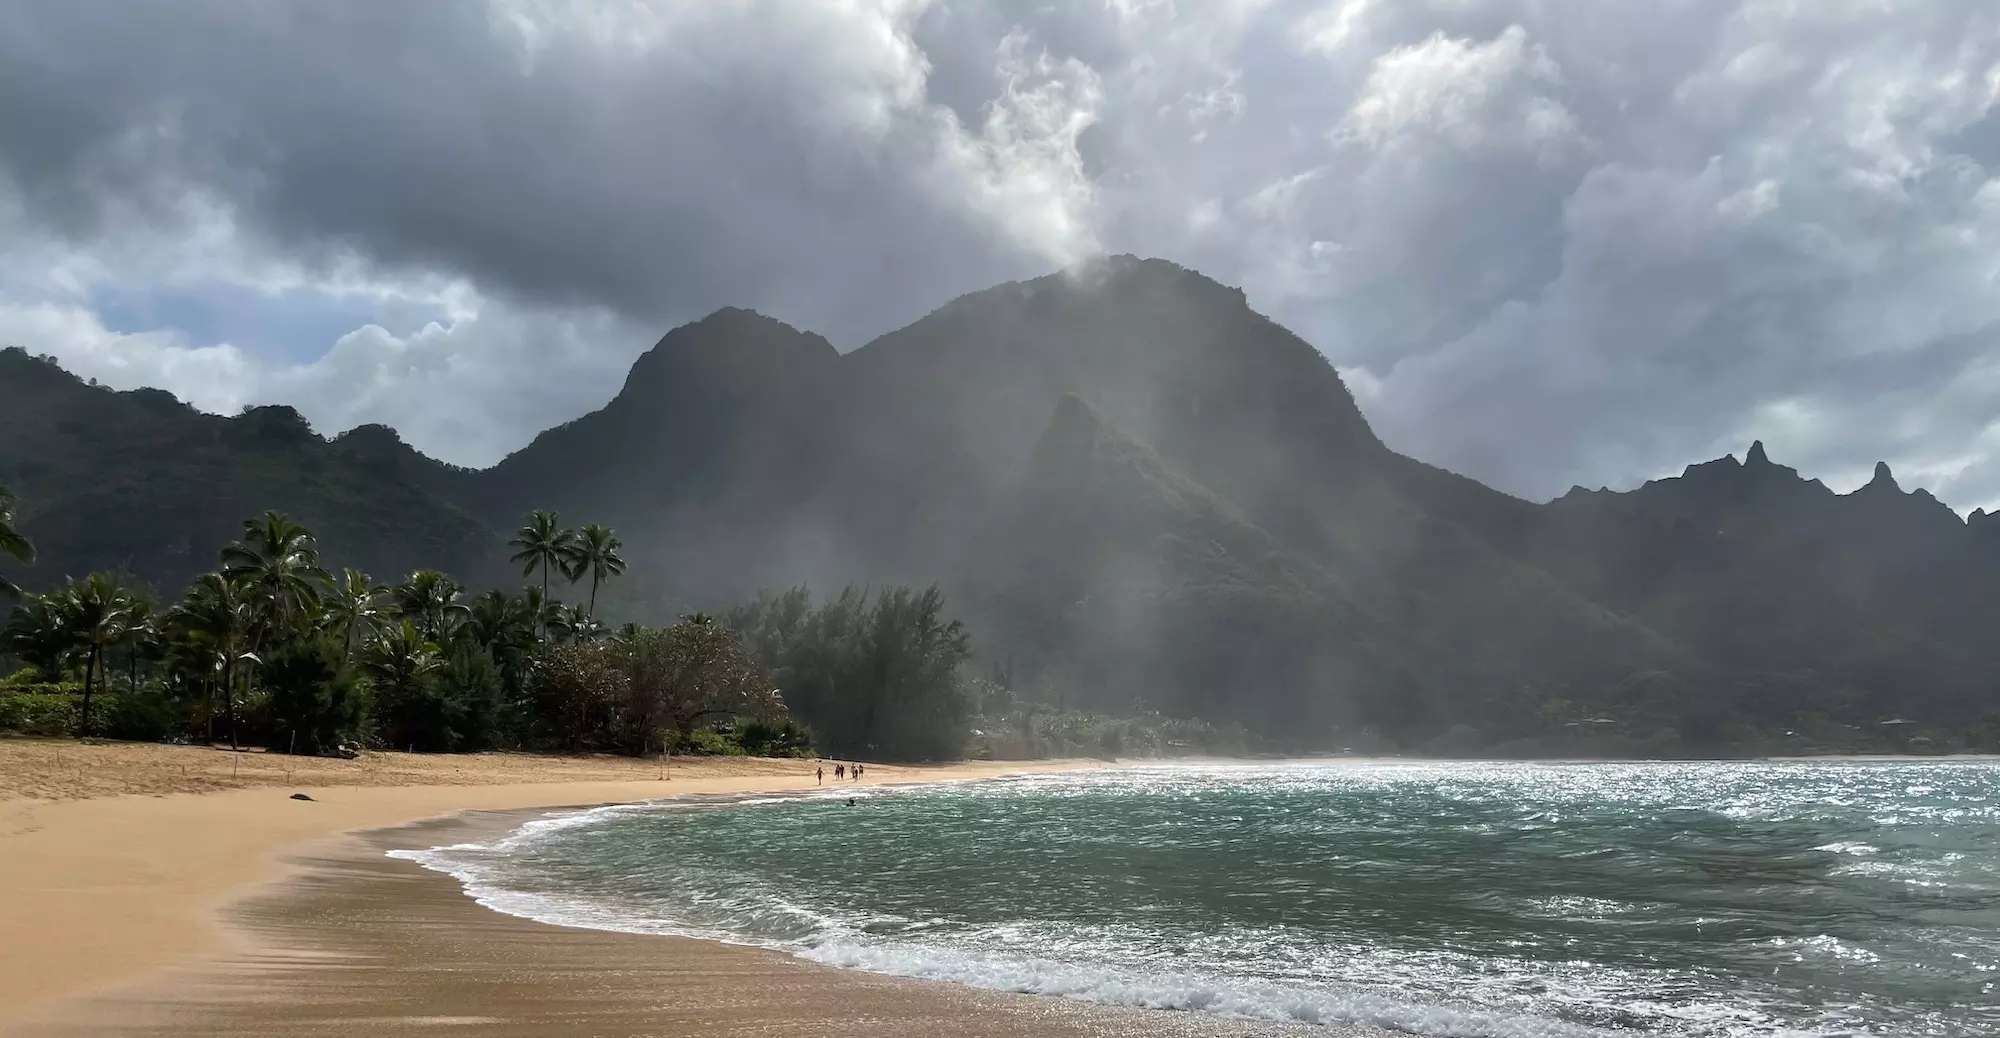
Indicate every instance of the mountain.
{"type": "Point", "coordinates": [1125, 581]}
{"type": "Point", "coordinates": [141, 483]}
{"type": "Point", "coordinates": [1880, 595]}
{"type": "Point", "coordinates": [1135, 489]}
{"type": "Point", "coordinates": [705, 462]}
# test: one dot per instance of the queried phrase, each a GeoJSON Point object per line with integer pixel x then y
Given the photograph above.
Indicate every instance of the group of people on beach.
{"type": "Point", "coordinates": [840, 771]}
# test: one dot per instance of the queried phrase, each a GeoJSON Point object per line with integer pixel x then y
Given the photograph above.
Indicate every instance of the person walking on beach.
{"type": "Point", "coordinates": [857, 773]}
{"type": "Point", "coordinates": [819, 777]}
{"type": "Point", "coordinates": [839, 772]}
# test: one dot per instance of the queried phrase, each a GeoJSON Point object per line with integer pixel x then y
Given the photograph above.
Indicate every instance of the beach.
{"type": "Point", "coordinates": [131, 902]}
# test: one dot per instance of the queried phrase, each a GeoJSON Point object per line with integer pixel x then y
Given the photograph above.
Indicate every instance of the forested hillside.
{"type": "Point", "coordinates": [1136, 492]}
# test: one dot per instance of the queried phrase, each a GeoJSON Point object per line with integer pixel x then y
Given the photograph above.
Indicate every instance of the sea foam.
{"type": "Point", "coordinates": [1734, 900]}
{"type": "Point", "coordinates": [482, 870]}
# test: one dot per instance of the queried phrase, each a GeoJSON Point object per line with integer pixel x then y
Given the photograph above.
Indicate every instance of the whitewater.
{"type": "Point", "coordinates": [1750, 899]}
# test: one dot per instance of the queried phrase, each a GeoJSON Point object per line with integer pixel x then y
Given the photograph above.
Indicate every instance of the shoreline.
{"type": "Point", "coordinates": [173, 914]}
{"type": "Point", "coordinates": [352, 939]}
{"type": "Point", "coordinates": [100, 895]}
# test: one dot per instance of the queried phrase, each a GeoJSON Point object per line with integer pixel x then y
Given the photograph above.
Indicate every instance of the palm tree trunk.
{"type": "Point", "coordinates": [592, 612]}
{"type": "Point", "coordinates": [542, 620]}
{"type": "Point", "coordinates": [229, 694]}
{"type": "Point", "coordinates": [89, 673]}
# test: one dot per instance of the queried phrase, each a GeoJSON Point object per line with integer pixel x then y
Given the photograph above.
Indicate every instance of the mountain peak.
{"type": "Point", "coordinates": [1143, 273]}
{"type": "Point", "coordinates": [24, 369]}
{"type": "Point", "coordinates": [1756, 455]}
{"type": "Point", "coordinates": [273, 422]}
{"type": "Point", "coordinates": [1883, 478]}
{"type": "Point", "coordinates": [738, 315]}
{"type": "Point", "coordinates": [372, 435]}
{"type": "Point", "coordinates": [735, 326]}
{"type": "Point", "coordinates": [1726, 463]}
{"type": "Point", "coordinates": [745, 344]}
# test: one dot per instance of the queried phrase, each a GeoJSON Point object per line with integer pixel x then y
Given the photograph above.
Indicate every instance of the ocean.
{"type": "Point", "coordinates": [1470, 900]}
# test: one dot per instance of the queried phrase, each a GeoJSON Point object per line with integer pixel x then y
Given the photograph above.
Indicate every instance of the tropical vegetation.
{"type": "Point", "coordinates": [13, 543]}
{"type": "Point", "coordinates": [272, 647]}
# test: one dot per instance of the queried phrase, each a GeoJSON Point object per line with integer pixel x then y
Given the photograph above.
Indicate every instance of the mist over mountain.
{"type": "Point", "coordinates": [1135, 490]}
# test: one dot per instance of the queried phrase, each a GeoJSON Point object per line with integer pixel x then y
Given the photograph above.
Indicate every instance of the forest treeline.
{"type": "Point", "coordinates": [274, 647]}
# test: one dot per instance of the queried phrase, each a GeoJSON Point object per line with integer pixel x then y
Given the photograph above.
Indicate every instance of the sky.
{"type": "Point", "coordinates": [1547, 244]}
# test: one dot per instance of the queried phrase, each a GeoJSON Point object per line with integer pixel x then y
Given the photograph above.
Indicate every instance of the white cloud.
{"type": "Point", "coordinates": [1021, 166]}
{"type": "Point", "coordinates": [1462, 92]}
{"type": "Point", "coordinates": [1331, 28]}
{"type": "Point", "coordinates": [461, 384]}
{"type": "Point", "coordinates": [463, 389]}
{"type": "Point", "coordinates": [213, 378]}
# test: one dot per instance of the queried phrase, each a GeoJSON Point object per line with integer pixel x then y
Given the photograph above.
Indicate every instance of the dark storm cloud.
{"type": "Point", "coordinates": [1549, 244]}
{"type": "Point", "coordinates": [727, 159]}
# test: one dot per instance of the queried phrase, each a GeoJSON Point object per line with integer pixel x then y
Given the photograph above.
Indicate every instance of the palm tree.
{"type": "Point", "coordinates": [431, 599]}
{"type": "Point", "coordinates": [354, 602]}
{"type": "Point", "coordinates": [37, 633]}
{"type": "Point", "coordinates": [140, 629]}
{"type": "Point", "coordinates": [571, 624]}
{"type": "Point", "coordinates": [216, 621]}
{"type": "Point", "coordinates": [596, 553]}
{"type": "Point", "coordinates": [278, 562]}
{"type": "Point", "coordinates": [399, 656]}
{"type": "Point", "coordinates": [498, 621]}
{"type": "Point", "coordinates": [505, 627]}
{"type": "Point", "coordinates": [544, 544]}
{"type": "Point", "coordinates": [12, 541]}
{"type": "Point", "coordinates": [540, 612]}
{"type": "Point", "coordinates": [95, 611]}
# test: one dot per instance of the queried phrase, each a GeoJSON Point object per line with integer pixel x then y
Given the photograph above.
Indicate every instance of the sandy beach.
{"type": "Point", "coordinates": [132, 903]}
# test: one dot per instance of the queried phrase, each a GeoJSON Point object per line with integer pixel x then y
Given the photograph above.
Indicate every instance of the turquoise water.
{"type": "Point", "coordinates": [1463, 899]}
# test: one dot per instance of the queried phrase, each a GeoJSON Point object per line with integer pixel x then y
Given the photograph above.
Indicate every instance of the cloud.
{"type": "Point", "coordinates": [1463, 94]}
{"type": "Point", "coordinates": [462, 385]}
{"type": "Point", "coordinates": [1549, 244]}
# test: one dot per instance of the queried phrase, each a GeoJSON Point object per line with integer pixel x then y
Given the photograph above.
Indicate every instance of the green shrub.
{"type": "Point", "coordinates": [763, 739]}
{"type": "Point", "coordinates": [713, 743]}
{"type": "Point", "coordinates": [748, 739]}
{"type": "Point", "coordinates": [147, 716]}
{"type": "Point", "coordinates": [314, 705]}
{"type": "Point", "coordinates": [41, 708]}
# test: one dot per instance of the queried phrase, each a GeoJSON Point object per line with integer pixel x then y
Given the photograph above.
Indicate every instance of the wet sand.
{"type": "Point", "coordinates": [354, 942]}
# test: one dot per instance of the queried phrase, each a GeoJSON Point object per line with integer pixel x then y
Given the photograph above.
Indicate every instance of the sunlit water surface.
{"type": "Point", "coordinates": [1477, 900]}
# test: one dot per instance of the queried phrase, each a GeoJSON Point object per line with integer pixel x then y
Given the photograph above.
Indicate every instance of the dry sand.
{"type": "Point", "coordinates": [63, 769]}
{"type": "Point", "coordinates": [128, 906]}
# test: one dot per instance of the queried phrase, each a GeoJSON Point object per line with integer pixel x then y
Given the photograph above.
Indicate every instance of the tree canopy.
{"type": "Point", "coordinates": [13, 543]}
{"type": "Point", "coordinates": [271, 646]}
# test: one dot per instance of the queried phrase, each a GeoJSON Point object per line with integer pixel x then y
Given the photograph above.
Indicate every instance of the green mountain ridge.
{"type": "Point", "coordinates": [139, 482]}
{"type": "Point", "coordinates": [1137, 490]}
